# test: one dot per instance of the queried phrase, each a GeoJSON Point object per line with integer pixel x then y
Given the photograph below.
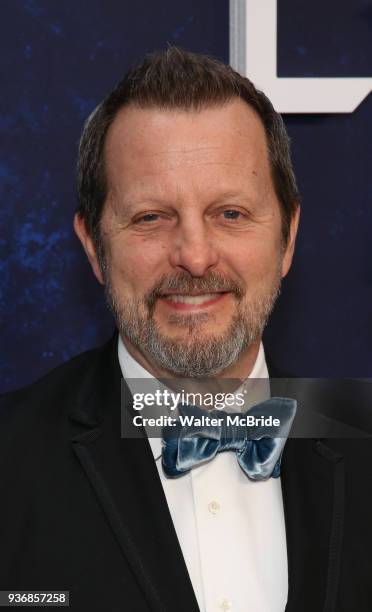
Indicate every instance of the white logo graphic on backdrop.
{"type": "Point", "coordinates": [253, 43]}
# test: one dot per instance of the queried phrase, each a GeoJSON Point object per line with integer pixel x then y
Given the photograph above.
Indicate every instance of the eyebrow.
{"type": "Point", "coordinates": [132, 201]}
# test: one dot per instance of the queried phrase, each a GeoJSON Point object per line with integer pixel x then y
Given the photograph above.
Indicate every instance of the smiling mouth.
{"type": "Point", "coordinates": [184, 301]}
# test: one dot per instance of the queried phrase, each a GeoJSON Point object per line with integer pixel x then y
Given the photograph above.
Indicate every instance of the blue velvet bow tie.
{"type": "Point", "coordinates": [258, 448]}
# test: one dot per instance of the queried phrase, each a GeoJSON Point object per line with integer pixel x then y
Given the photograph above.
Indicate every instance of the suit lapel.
{"type": "Point", "coordinates": [312, 477]}
{"type": "Point", "coordinates": [124, 477]}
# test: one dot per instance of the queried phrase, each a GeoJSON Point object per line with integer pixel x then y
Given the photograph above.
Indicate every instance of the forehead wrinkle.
{"type": "Point", "coordinates": [175, 164]}
{"type": "Point", "coordinates": [178, 163]}
{"type": "Point", "coordinates": [175, 158]}
{"type": "Point", "coordinates": [184, 150]}
{"type": "Point", "coordinates": [141, 151]}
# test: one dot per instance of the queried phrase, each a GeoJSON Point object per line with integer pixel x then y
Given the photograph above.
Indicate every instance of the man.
{"type": "Point", "coordinates": [188, 214]}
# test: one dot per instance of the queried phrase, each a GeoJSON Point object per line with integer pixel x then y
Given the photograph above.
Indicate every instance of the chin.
{"type": "Point", "coordinates": [191, 328]}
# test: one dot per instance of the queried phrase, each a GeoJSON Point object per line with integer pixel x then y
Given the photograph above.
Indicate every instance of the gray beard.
{"type": "Point", "coordinates": [197, 355]}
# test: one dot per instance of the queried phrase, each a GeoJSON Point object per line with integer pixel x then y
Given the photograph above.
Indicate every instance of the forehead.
{"type": "Point", "coordinates": [152, 144]}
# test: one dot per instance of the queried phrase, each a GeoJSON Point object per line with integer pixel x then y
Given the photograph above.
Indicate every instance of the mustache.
{"type": "Point", "coordinates": [184, 283]}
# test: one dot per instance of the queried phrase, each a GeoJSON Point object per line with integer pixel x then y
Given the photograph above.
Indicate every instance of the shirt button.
{"type": "Point", "coordinates": [225, 605]}
{"type": "Point", "coordinates": [214, 507]}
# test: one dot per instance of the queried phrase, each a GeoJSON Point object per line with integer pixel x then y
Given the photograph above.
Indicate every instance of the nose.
{"type": "Point", "coordinates": [192, 248]}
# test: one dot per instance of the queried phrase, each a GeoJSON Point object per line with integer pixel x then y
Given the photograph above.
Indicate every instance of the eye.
{"type": "Point", "coordinates": [231, 214]}
{"type": "Point", "coordinates": [148, 218]}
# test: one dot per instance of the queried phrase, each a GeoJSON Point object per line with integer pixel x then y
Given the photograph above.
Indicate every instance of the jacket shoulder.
{"type": "Point", "coordinates": [54, 394]}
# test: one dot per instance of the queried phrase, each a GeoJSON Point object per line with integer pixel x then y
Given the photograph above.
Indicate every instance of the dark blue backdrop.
{"type": "Point", "coordinates": [59, 59]}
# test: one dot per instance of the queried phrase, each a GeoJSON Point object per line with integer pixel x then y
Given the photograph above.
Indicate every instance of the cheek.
{"type": "Point", "coordinates": [137, 264]}
{"type": "Point", "coordinates": [256, 260]}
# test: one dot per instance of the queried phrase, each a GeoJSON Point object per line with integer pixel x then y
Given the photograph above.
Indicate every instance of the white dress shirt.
{"type": "Point", "coordinates": [231, 530]}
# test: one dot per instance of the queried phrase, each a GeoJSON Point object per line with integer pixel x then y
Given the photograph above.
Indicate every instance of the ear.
{"type": "Point", "coordinates": [88, 246]}
{"type": "Point", "coordinates": [288, 255]}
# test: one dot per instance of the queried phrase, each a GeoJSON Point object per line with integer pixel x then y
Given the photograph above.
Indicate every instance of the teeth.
{"type": "Point", "coordinates": [192, 299]}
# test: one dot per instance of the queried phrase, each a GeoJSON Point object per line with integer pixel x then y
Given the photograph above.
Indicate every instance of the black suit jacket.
{"type": "Point", "coordinates": [82, 509]}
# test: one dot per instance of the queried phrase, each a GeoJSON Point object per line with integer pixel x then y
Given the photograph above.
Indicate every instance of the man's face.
{"type": "Point", "coordinates": [191, 232]}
